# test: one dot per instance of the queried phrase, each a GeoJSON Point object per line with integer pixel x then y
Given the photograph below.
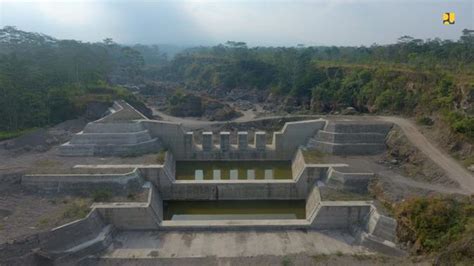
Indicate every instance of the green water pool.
{"type": "Point", "coordinates": [234, 210]}
{"type": "Point", "coordinates": [232, 170]}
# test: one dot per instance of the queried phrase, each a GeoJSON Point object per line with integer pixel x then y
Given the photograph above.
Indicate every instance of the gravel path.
{"type": "Point", "coordinates": [452, 168]}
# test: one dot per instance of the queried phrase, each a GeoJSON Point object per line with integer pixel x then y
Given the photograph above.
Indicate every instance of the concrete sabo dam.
{"type": "Point", "coordinates": [126, 132]}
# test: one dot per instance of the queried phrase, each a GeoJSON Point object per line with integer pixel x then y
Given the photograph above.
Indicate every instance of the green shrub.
{"type": "Point", "coordinates": [76, 209]}
{"type": "Point", "coordinates": [431, 224]}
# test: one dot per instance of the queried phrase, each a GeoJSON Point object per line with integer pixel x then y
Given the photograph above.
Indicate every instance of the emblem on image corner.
{"type": "Point", "coordinates": [449, 18]}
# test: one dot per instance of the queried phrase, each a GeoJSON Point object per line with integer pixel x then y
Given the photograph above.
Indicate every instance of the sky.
{"type": "Point", "coordinates": [257, 22]}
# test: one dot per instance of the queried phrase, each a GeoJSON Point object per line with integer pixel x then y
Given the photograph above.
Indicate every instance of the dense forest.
{"type": "Point", "coordinates": [411, 77]}
{"type": "Point", "coordinates": [44, 80]}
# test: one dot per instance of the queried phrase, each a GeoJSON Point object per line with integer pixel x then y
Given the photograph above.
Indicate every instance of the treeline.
{"type": "Point", "coordinates": [412, 77]}
{"type": "Point", "coordinates": [45, 81]}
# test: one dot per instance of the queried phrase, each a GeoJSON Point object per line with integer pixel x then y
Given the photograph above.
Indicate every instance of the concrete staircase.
{"type": "Point", "coordinates": [110, 139]}
{"type": "Point", "coordinates": [351, 138]}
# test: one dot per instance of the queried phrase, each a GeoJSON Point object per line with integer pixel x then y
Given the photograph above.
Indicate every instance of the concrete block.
{"type": "Point", "coordinates": [250, 174]}
{"type": "Point", "coordinates": [260, 140]}
{"type": "Point", "coordinates": [225, 141]}
{"type": "Point", "coordinates": [242, 140]}
{"type": "Point", "coordinates": [216, 174]}
{"type": "Point", "coordinates": [234, 174]}
{"type": "Point", "coordinates": [189, 141]}
{"type": "Point", "coordinates": [207, 141]}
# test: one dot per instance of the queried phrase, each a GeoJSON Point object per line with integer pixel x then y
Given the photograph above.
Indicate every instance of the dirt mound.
{"type": "Point", "coordinates": [41, 140]}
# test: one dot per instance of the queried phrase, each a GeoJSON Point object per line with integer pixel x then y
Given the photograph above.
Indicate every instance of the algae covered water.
{"type": "Point", "coordinates": [232, 170]}
{"type": "Point", "coordinates": [234, 210]}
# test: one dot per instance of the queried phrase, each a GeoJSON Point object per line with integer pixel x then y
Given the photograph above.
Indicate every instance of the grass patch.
{"type": "Point", "coordinates": [102, 195]}
{"type": "Point", "coordinates": [76, 209]}
{"type": "Point", "coordinates": [4, 135]}
{"type": "Point", "coordinates": [320, 257]}
{"type": "Point", "coordinates": [160, 157]}
{"type": "Point", "coordinates": [43, 222]}
{"type": "Point", "coordinates": [286, 261]}
{"type": "Point", "coordinates": [313, 156]}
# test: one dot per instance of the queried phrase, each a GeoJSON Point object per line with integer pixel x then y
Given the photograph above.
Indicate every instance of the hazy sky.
{"type": "Point", "coordinates": [257, 22]}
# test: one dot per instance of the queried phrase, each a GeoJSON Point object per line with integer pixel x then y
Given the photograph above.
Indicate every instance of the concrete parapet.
{"type": "Point", "coordinates": [260, 140]}
{"type": "Point", "coordinates": [83, 183]}
{"type": "Point", "coordinates": [242, 140]}
{"type": "Point", "coordinates": [225, 141]}
{"type": "Point", "coordinates": [207, 143]}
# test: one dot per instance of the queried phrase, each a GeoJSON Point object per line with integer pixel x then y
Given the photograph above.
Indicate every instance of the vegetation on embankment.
{"type": "Point", "coordinates": [439, 227]}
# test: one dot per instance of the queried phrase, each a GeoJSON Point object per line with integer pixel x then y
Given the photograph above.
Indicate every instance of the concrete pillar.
{"type": "Point", "coordinates": [189, 141]}
{"type": "Point", "coordinates": [207, 141]}
{"type": "Point", "coordinates": [225, 141]}
{"type": "Point", "coordinates": [260, 140]}
{"type": "Point", "coordinates": [242, 140]}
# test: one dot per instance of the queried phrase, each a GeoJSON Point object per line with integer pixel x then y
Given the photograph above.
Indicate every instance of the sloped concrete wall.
{"type": "Point", "coordinates": [74, 233]}
{"type": "Point", "coordinates": [295, 134]}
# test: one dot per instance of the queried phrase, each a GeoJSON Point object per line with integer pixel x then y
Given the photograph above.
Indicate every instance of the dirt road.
{"type": "Point", "coordinates": [452, 168]}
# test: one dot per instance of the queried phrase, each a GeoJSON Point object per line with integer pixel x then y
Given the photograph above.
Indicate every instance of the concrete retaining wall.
{"type": "Point", "coordinates": [283, 146]}
{"type": "Point", "coordinates": [340, 214]}
{"type": "Point", "coordinates": [133, 215]}
{"type": "Point", "coordinates": [312, 203]}
{"type": "Point", "coordinates": [299, 187]}
{"type": "Point", "coordinates": [342, 178]}
{"type": "Point", "coordinates": [83, 183]}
